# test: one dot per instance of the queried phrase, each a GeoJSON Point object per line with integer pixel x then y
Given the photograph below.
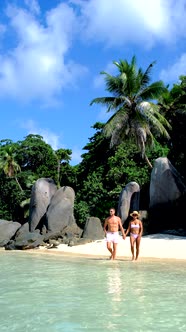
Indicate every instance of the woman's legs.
{"type": "Point", "coordinates": [132, 240]}
{"type": "Point", "coordinates": [138, 240]}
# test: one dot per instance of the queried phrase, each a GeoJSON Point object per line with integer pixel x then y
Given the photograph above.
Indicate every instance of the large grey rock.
{"type": "Point", "coordinates": [93, 229]}
{"type": "Point", "coordinates": [166, 184]}
{"type": "Point", "coordinates": [145, 220]}
{"type": "Point", "coordinates": [7, 231]}
{"type": "Point", "coordinates": [68, 232]}
{"type": "Point", "coordinates": [128, 200]}
{"type": "Point", "coordinates": [72, 230]}
{"type": "Point", "coordinates": [42, 192]}
{"type": "Point", "coordinates": [61, 209]}
{"type": "Point", "coordinates": [167, 196]}
{"type": "Point", "coordinates": [22, 231]}
{"type": "Point", "coordinates": [27, 240]}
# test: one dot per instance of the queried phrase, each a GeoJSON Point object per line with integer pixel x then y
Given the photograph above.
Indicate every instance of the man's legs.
{"type": "Point", "coordinates": [110, 249]}
{"type": "Point", "coordinates": [114, 250]}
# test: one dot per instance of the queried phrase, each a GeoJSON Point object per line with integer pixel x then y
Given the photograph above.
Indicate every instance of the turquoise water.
{"type": "Point", "coordinates": [50, 293]}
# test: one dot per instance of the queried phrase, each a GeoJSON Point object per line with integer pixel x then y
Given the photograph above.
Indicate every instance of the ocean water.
{"type": "Point", "coordinates": [50, 293]}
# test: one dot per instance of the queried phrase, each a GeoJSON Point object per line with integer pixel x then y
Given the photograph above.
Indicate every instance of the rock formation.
{"type": "Point", "coordinates": [167, 195]}
{"type": "Point", "coordinates": [7, 231]}
{"type": "Point", "coordinates": [128, 200]}
{"type": "Point", "coordinates": [60, 212]}
{"type": "Point", "coordinates": [42, 192]}
{"type": "Point", "coordinates": [93, 229]}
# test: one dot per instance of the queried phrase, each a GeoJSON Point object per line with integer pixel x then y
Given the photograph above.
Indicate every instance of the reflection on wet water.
{"type": "Point", "coordinates": [48, 293]}
{"type": "Point", "coordinates": [114, 283]}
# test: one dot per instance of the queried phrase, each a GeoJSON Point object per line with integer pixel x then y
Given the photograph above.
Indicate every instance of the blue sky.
{"type": "Point", "coordinates": [52, 51]}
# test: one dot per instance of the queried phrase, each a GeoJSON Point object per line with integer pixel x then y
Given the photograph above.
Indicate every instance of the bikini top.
{"type": "Point", "coordinates": [135, 226]}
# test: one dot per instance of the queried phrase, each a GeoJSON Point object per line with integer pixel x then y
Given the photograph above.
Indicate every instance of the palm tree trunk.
{"type": "Point", "coordinates": [141, 143]}
{"type": "Point", "coordinates": [18, 184]}
{"type": "Point", "coordinates": [147, 160]}
{"type": "Point", "coordinates": [58, 174]}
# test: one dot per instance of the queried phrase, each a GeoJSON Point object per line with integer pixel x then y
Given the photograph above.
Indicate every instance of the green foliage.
{"type": "Point", "coordinates": [10, 199]}
{"type": "Point", "coordinates": [8, 162]}
{"type": "Point", "coordinates": [36, 155]}
{"type": "Point", "coordinates": [105, 168]}
{"type": "Point", "coordinates": [26, 161]}
{"type": "Point", "coordinates": [61, 155]}
{"type": "Point", "coordinates": [134, 116]}
{"type": "Point", "coordinates": [81, 212]}
{"type": "Point", "coordinates": [173, 105]}
{"type": "Point", "coordinates": [104, 172]}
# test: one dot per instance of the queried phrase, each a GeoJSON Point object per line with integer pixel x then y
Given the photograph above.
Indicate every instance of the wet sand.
{"type": "Point", "coordinates": [156, 246]}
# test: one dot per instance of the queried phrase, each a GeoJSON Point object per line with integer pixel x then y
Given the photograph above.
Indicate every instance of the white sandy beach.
{"type": "Point", "coordinates": [152, 246]}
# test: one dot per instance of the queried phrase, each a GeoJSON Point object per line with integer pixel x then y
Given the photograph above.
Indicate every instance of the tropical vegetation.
{"type": "Point", "coordinates": [135, 115]}
{"type": "Point", "coordinates": [143, 114]}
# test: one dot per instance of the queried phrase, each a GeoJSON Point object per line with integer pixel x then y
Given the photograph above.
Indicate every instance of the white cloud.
{"type": "Point", "coordinates": [124, 21]}
{"type": "Point", "coordinates": [48, 136]}
{"type": "Point", "coordinates": [33, 5]}
{"type": "Point", "coordinates": [52, 139]}
{"type": "Point", "coordinates": [36, 67]}
{"type": "Point", "coordinates": [76, 156]}
{"type": "Point", "coordinates": [172, 73]}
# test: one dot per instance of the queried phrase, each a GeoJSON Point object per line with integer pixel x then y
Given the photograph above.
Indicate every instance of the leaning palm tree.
{"type": "Point", "coordinates": [9, 165]}
{"type": "Point", "coordinates": [131, 101]}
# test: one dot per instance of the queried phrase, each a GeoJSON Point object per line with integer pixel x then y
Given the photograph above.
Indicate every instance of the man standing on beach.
{"type": "Point", "coordinates": [111, 228]}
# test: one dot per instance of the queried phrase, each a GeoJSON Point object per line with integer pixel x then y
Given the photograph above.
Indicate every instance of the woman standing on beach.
{"type": "Point", "coordinates": [135, 228]}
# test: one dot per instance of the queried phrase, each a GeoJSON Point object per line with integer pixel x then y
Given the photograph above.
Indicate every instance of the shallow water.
{"type": "Point", "coordinates": [49, 293]}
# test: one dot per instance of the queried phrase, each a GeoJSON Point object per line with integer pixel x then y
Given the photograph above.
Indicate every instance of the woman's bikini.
{"type": "Point", "coordinates": [134, 226]}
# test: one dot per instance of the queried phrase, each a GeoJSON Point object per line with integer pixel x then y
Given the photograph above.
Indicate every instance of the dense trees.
{"type": "Point", "coordinates": [105, 171]}
{"type": "Point", "coordinates": [62, 155]}
{"type": "Point", "coordinates": [26, 161]}
{"type": "Point", "coordinates": [173, 106]}
{"type": "Point", "coordinates": [97, 180]}
{"type": "Point", "coordinates": [8, 163]}
{"type": "Point", "coordinates": [105, 168]}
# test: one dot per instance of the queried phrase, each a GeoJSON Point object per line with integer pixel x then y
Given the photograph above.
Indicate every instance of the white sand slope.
{"type": "Point", "coordinates": [152, 246]}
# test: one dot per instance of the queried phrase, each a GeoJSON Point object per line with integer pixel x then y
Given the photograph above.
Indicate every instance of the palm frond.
{"type": "Point", "coordinates": [145, 79]}
{"type": "Point", "coordinates": [127, 77]}
{"type": "Point", "coordinates": [116, 126]}
{"type": "Point", "coordinates": [133, 61]}
{"type": "Point", "coordinates": [122, 65]}
{"type": "Point", "coordinates": [134, 115]}
{"type": "Point", "coordinates": [153, 91]}
{"type": "Point", "coordinates": [106, 101]}
{"type": "Point", "coordinates": [160, 117]}
{"type": "Point", "coordinates": [181, 110]}
{"type": "Point", "coordinates": [112, 103]}
{"type": "Point", "coordinates": [154, 118]}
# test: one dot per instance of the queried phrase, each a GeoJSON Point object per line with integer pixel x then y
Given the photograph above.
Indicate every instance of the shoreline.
{"type": "Point", "coordinates": [153, 247]}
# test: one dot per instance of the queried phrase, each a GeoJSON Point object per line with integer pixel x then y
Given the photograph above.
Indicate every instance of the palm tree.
{"type": "Point", "coordinates": [173, 101]}
{"type": "Point", "coordinates": [135, 113]}
{"type": "Point", "coordinates": [9, 165]}
{"type": "Point", "coordinates": [61, 155]}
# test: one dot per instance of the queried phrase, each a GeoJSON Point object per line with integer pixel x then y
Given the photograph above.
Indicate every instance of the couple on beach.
{"type": "Point", "coordinates": [111, 227]}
